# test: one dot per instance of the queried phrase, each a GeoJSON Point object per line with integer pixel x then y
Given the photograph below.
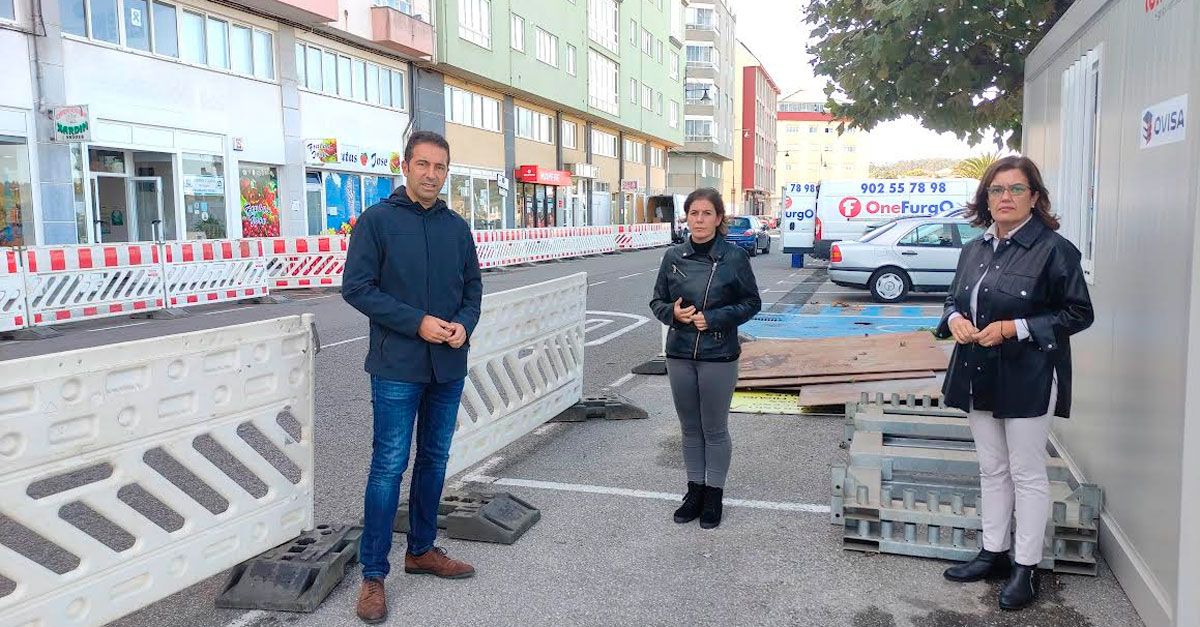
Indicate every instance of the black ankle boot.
{"type": "Point", "coordinates": [1021, 589]}
{"type": "Point", "coordinates": [692, 502]}
{"type": "Point", "coordinates": [986, 565]}
{"type": "Point", "coordinates": [710, 516]}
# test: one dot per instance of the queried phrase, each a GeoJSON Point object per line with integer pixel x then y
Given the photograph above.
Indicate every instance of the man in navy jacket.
{"type": "Point", "coordinates": [412, 270]}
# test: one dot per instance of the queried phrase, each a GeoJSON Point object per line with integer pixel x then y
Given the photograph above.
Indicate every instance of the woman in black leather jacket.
{"type": "Point", "coordinates": [705, 290]}
{"type": "Point", "coordinates": [1017, 297]}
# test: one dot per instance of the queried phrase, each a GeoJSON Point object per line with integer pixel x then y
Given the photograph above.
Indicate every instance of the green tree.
{"type": "Point", "coordinates": [957, 66]}
{"type": "Point", "coordinates": [975, 167]}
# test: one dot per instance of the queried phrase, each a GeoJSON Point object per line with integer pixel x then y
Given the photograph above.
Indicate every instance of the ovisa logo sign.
{"type": "Point", "coordinates": [1164, 123]}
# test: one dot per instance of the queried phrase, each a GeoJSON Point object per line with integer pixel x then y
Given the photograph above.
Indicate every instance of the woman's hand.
{"type": "Point", "coordinates": [963, 331]}
{"type": "Point", "coordinates": [699, 321]}
{"type": "Point", "coordinates": [995, 333]}
{"type": "Point", "coordinates": [684, 314]}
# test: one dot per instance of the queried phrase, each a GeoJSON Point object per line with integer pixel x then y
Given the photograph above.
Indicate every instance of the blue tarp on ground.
{"type": "Point", "coordinates": [839, 322]}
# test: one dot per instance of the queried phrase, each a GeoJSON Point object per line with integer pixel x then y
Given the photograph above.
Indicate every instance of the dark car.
{"type": "Point", "coordinates": [749, 233]}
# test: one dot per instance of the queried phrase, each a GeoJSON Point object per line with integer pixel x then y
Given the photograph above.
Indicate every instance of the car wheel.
{"type": "Point", "coordinates": [767, 249]}
{"type": "Point", "coordinates": [889, 285]}
{"type": "Point", "coordinates": [753, 250]}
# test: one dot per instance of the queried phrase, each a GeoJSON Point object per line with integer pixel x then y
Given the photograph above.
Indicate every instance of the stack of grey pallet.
{"type": "Point", "coordinates": [912, 488]}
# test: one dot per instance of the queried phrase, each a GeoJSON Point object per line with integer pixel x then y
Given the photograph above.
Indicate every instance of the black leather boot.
{"type": "Point", "coordinates": [692, 502]}
{"type": "Point", "coordinates": [710, 516]}
{"type": "Point", "coordinates": [1022, 588]}
{"type": "Point", "coordinates": [986, 565]}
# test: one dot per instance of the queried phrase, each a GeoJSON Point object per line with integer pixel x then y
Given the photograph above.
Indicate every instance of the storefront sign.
{"type": "Point", "coordinates": [630, 186]}
{"type": "Point", "coordinates": [203, 185]}
{"type": "Point", "coordinates": [1164, 123]}
{"type": "Point", "coordinates": [260, 194]}
{"type": "Point", "coordinates": [502, 182]}
{"type": "Point", "coordinates": [542, 176]}
{"type": "Point", "coordinates": [72, 124]}
{"type": "Point", "coordinates": [329, 153]}
{"type": "Point", "coordinates": [239, 144]}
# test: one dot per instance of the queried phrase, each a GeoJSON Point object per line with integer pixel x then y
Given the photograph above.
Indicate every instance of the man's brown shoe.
{"type": "Point", "coordinates": [372, 602]}
{"type": "Point", "coordinates": [435, 562]}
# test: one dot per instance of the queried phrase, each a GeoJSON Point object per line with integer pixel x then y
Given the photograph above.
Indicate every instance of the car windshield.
{"type": "Point", "coordinates": [739, 223]}
{"type": "Point", "coordinates": [877, 232]}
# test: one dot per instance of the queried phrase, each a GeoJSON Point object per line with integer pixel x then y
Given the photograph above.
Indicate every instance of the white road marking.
{"type": "Point", "coordinates": [638, 321]}
{"type": "Point", "coordinates": [353, 339]}
{"type": "Point", "coordinates": [644, 494]}
{"type": "Point", "coordinates": [630, 276]}
{"type": "Point", "coordinates": [546, 428]}
{"type": "Point", "coordinates": [780, 282]}
{"type": "Point", "coordinates": [247, 619]}
{"type": "Point", "coordinates": [483, 468]}
{"type": "Point", "coordinates": [595, 323]}
{"type": "Point", "coordinates": [622, 381]}
{"type": "Point", "coordinates": [117, 326]}
{"type": "Point", "coordinates": [311, 297]}
{"type": "Point", "coordinates": [221, 311]}
{"type": "Point", "coordinates": [597, 283]}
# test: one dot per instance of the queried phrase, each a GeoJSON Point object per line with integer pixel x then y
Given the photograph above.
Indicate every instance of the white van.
{"type": "Point", "coordinates": [845, 208]}
{"type": "Point", "coordinates": [798, 217]}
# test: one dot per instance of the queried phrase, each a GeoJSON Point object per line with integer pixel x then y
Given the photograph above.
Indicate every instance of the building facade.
{"type": "Point", "coordinates": [572, 100]}
{"type": "Point", "coordinates": [138, 120]}
{"type": "Point", "coordinates": [753, 188]}
{"type": "Point", "coordinates": [810, 149]}
{"type": "Point", "coordinates": [708, 98]}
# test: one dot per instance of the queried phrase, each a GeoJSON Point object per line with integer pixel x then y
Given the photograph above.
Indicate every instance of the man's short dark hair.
{"type": "Point", "coordinates": [425, 137]}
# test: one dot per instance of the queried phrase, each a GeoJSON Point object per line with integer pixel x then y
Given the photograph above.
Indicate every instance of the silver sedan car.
{"type": "Point", "coordinates": [906, 255]}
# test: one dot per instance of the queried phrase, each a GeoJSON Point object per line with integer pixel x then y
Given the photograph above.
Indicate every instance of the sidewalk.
{"type": "Point", "coordinates": [607, 553]}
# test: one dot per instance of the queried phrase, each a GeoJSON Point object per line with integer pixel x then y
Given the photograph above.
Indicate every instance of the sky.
{"type": "Point", "coordinates": [774, 30]}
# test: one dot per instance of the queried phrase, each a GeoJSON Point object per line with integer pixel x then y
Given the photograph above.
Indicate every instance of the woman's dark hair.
{"type": "Point", "coordinates": [713, 196]}
{"type": "Point", "coordinates": [977, 210]}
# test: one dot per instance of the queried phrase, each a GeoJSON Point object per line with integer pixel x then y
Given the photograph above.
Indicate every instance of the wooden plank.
{"type": "Point", "coordinates": [841, 393]}
{"type": "Point", "coordinates": [791, 382]}
{"type": "Point", "coordinates": [894, 352]}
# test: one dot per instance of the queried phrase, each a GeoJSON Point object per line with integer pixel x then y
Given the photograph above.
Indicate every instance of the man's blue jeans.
{"type": "Point", "coordinates": [398, 406]}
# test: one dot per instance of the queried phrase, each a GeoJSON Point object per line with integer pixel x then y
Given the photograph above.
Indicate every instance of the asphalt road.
{"type": "Point", "coordinates": [605, 551]}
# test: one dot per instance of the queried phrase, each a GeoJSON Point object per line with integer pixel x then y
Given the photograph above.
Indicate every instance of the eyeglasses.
{"type": "Point", "coordinates": [1018, 190]}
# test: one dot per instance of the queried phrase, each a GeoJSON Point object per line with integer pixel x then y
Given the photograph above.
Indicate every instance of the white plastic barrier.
{"type": "Point", "coordinates": [201, 272]}
{"type": "Point", "coordinates": [526, 366]}
{"type": "Point", "coordinates": [634, 236]}
{"type": "Point", "coordinates": [13, 315]}
{"type": "Point", "coordinates": [305, 262]}
{"type": "Point", "coordinates": [73, 283]}
{"type": "Point", "coordinates": [120, 406]}
{"type": "Point", "coordinates": [573, 241]}
{"type": "Point", "coordinates": [501, 247]}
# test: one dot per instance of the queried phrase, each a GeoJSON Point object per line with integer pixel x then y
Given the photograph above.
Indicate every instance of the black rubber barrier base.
{"type": "Point", "coordinates": [294, 577]}
{"type": "Point", "coordinates": [607, 407]}
{"type": "Point", "coordinates": [479, 516]}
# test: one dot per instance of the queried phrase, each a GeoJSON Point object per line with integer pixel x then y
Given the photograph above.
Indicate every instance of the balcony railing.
{"type": "Point", "coordinates": [702, 65]}
{"type": "Point", "coordinates": [403, 26]}
{"type": "Point", "coordinates": [699, 137]}
{"type": "Point", "coordinates": [703, 26]}
{"type": "Point", "coordinates": [418, 9]}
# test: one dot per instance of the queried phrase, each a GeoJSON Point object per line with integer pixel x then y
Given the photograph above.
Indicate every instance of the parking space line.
{"type": "Point", "coordinates": [247, 619]}
{"type": "Point", "coordinates": [353, 339]}
{"type": "Point", "coordinates": [597, 283]}
{"type": "Point", "coordinates": [642, 494]}
{"type": "Point", "coordinates": [622, 381]}
{"type": "Point", "coordinates": [117, 326]}
{"type": "Point", "coordinates": [630, 276]}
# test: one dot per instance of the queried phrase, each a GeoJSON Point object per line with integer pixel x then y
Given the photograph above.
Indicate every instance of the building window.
{"type": "Point", "coordinates": [547, 47]}
{"type": "Point", "coordinates": [569, 132]}
{"type": "Point", "coordinates": [673, 71]}
{"type": "Point", "coordinates": [570, 59]}
{"type": "Point", "coordinates": [16, 193]}
{"type": "Point", "coordinates": [533, 125]}
{"type": "Point", "coordinates": [696, 91]}
{"type": "Point", "coordinates": [1078, 183]}
{"type": "Point", "coordinates": [647, 43]}
{"type": "Point", "coordinates": [604, 144]}
{"type": "Point", "coordinates": [602, 23]}
{"type": "Point", "coordinates": [673, 118]}
{"type": "Point", "coordinates": [703, 55]}
{"type": "Point", "coordinates": [658, 50]}
{"type": "Point", "coordinates": [700, 18]}
{"type": "Point", "coordinates": [647, 98]}
{"type": "Point", "coordinates": [634, 151]}
{"type": "Point", "coordinates": [342, 76]}
{"type": "Point", "coordinates": [633, 32]}
{"type": "Point", "coordinates": [518, 33]}
{"type": "Point", "coordinates": [658, 104]}
{"type": "Point", "coordinates": [699, 129]}
{"type": "Point", "coordinates": [204, 196]}
{"type": "Point", "coordinates": [471, 109]}
{"type": "Point", "coordinates": [218, 43]}
{"type": "Point", "coordinates": [656, 157]}
{"type": "Point", "coordinates": [475, 21]}
{"type": "Point", "coordinates": [633, 90]}
{"type": "Point", "coordinates": [602, 83]}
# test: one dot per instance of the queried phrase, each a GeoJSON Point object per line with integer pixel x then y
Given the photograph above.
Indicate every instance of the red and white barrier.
{"type": "Point", "coordinates": [73, 283]}
{"type": "Point", "coordinates": [501, 247]}
{"type": "Point", "coordinates": [305, 262]}
{"type": "Point", "coordinates": [13, 315]}
{"type": "Point", "coordinates": [635, 236]}
{"type": "Point", "coordinates": [570, 241]}
{"type": "Point", "coordinates": [207, 271]}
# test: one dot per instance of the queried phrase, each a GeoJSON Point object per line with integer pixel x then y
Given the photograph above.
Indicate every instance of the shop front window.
{"type": "Point", "coordinates": [377, 189]}
{"type": "Point", "coordinates": [16, 193]}
{"type": "Point", "coordinates": [482, 201]}
{"type": "Point", "coordinates": [548, 217]}
{"type": "Point", "coordinates": [82, 222]}
{"type": "Point", "coordinates": [204, 196]}
{"type": "Point", "coordinates": [539, 206]}
{"type": "Point", "coordinates": [495, 206]}
{"type": "Point", "coordinates": [315, 201]}
{"type": "Point", "coordinates": [259, 186]}
{"type": "Point", "coordinates": [343, 201]}
{"type": "Point", "coordinates": [460, 195]}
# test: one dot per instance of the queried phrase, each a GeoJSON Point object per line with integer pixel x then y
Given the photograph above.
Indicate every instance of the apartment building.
{"type": "Point", "coordinates": [810, 149]}
{"type": "Point", "coordinates": [709, 97]}
{"type": "Point", "coordinates": [753, 190]}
